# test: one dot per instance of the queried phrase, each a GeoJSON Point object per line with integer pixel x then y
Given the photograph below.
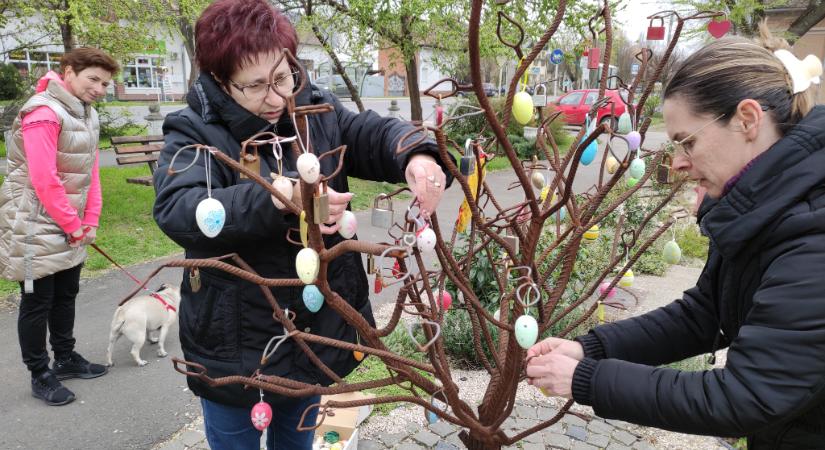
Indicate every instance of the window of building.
{"type": "Point", "coordinates": [142, 72]}
{"type": "Point", "coordinates": [35, 63]}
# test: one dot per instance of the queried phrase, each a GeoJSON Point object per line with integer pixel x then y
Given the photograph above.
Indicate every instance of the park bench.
{"type": "Point", "coordinates": [138, 150]}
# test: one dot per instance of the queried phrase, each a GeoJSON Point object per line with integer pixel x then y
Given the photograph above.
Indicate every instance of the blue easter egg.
{"type": "Point", "coordinates": [313, 299]}
{"type": "Point", "coordinates": [589, 153]}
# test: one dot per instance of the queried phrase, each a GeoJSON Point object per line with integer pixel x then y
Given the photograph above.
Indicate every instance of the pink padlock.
{"type": "Point", "coordinates": [446, 300]}
{"type": "Point", "coordinates": [261, 415]}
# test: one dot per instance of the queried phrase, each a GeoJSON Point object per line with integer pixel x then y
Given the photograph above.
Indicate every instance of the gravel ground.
{"type": "Point", "coordinates": [652, 293]}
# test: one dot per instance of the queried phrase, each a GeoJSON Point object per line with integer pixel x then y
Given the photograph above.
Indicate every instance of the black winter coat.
{"type": "Point", "coordinates": [226, 324]}
{"type": "Point", "coordinates": [761, 294]}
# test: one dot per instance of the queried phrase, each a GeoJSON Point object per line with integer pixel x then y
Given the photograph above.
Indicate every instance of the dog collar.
{"type": "Point", "coordinates": [167, 305]}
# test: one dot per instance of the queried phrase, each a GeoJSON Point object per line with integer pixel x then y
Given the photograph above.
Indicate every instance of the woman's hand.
{"type": "Point", "coordinates": [553, 373]}
{"type": "Point", "coordinates": [89, 236]}
{"type": "Point", "coordinates": [427, 181]}
{"type": "Point", "coordinates": [571, 349]}
{"type": "Point", "coordinates": [76, 238]}
{"type": "Point", "coordinates": [338, 202]}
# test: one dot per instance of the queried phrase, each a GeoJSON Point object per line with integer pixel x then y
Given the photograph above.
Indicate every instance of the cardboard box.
{"type": "Point", "coordinates": [345, 421]}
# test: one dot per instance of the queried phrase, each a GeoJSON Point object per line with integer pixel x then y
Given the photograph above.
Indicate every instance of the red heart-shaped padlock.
{"type": "Point", "coordinates": [718, 28]}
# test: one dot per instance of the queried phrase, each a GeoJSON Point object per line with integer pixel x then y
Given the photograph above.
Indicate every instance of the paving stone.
{"type": "Point", "coordinates": [442, 428]}
{"type": "Point", "coordinates": [618, 424]}
{"type": "Point", "coordinates": [599, 440]}
{"type": "Point", "coordinates": [412, 428]}
{"type": "Point", "coordinates": [531, 446]}
{"type": "Point", "coordinates": [426, 438]}
{"type": "Point", "coordinates": [366, 444]}
{"type": "Point", "coordinates": [578, 445]}
{"type": "Point", "coordinates": [526, 412]}
{"type": "Point", "coordinates": [173, 445]}
{"type": "Point", "coordinates": [409, 446]}
{"type": "Point", "coordinates": [557, 440]}
{"type": "Point", "coordinates": [391, 440]}
{"type": "Point", "coordinates": [643, 445]}
{"type": "Point", "coordinates": [624, 437]}
{"type": "Point", "coordinates": [535, 438]}
{"type": "Point", "coordinates": [545, 413]}
{"type": "Point", "coordinates": [455, 440]}
{"type": "Point", "coordinates": [523, 424]}
{"type": "Point", "coordinates": [442, 445]}
{"type": "Point", "coordinates": [509, 424]}
{"type": "Point", "coordinates": [510, 447]}
{"type": "Point", "coordinates": [616, 446]}
{"type": "Point", "coordinates": [574, 420]}
{"type": "Point", "coordinates": [597, 426]}
{"type": "Point", "coordinates": [191, 437]}
{"type": "Point", "coordinates": [577, 432]}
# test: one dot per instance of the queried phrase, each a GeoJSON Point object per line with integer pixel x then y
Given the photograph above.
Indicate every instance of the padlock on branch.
{"type": "Point", "coordinates": [320, 205]}
{"type": "Point", "coordinates": [382, 215]}
{"type": "Point", "coordinates": [593, 56]}
{"type": "Point", "coordinates": [540, 96]}
{"type": "Point", "coordinates": [250, 161]}
{"type": "Point", "coordinates": [656, 32]}
{"type": "Point", "coordinates": [467, 165]}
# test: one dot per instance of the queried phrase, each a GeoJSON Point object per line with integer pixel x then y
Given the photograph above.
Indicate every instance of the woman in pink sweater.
{"type": "Point", "coordinates": [50, 204]}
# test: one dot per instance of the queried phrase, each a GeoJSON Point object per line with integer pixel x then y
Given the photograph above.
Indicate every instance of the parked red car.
{"type": "Point", "coordinates": [575, 105]}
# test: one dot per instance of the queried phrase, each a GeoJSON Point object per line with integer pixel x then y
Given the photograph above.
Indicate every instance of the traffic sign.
{"type": "Point", "coordinates": [557, 56]}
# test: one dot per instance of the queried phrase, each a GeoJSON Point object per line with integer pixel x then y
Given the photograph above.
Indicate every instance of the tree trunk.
{"type": "Point", "coordinates": [66, 32]}
{"type": "Point", "coordinates": [412, 85]}
{"type": "Point", "coordinates": [812, 16]}
{"type": "Point", "coordinates": [473, 444]}
{"type": "Point", "coordinates": [187, 32]}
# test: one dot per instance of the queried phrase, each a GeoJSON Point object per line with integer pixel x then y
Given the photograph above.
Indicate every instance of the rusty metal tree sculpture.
{"type": "Point", "coordinates": [542, 276]}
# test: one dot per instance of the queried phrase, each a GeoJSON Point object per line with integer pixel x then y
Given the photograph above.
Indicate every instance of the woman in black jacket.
{"type": "Point", "coordinates": [743, 125]}
{"type": "Point", "coordinates": [225, 323]}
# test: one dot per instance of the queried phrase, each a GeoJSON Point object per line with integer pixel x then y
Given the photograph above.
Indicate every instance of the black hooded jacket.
{"type": "Point", "coordinates": [227, 323]}
{"type": "Point", "coordinates": [761, 294]}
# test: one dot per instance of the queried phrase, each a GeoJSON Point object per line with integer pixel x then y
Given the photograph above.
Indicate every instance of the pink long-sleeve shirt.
{"type": "Point", "coordinates": [41, 129]}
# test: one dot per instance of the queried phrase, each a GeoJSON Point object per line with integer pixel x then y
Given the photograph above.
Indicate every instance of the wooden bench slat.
{"type": "Point", "coordinates": [135, 159]}
{"type": "Point", "coordinates": [145, 181]}
{"type": "Point", "coordinates": [150, 148]}
{"type": "Point", "coordinates": [137, 139]}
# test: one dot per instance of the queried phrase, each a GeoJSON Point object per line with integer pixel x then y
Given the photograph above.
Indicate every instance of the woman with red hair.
{"type": "Point", "coordinates": [225, 322]}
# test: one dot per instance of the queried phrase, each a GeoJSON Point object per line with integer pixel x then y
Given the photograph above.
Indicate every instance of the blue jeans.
{"type": "Point", "coordinates": [230, 427]}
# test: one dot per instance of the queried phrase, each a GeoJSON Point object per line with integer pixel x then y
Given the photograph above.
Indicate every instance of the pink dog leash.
{"type": "Point", "coordinates": [134, 278]}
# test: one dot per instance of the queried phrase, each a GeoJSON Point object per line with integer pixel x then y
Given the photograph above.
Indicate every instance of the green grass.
{"type": "Point", "coordinates": [2, 149]}
{"type": "Point", "coordinates": [127, 231]}
{"type": "Point", "coordinates": [366, 191]}
{"type": "Point", "coordinates": [372, 368]}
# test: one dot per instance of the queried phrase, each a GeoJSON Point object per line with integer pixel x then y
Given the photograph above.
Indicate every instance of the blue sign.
{"type": "Point", "coordinates": [557, 56]}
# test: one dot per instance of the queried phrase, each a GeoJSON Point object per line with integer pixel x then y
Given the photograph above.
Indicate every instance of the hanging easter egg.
{"type": "Point", "coordinates": [632, 182]}
{"type": "Point", "coordinates": [671, 253]}
{"type": "Point", "coordinates": [637, 168]}
{"type": "Point", "coordinates": [313, 298]}
{"type": "Point", "coordinates": [261, 415]}
{"type": "Point", "coordinates": [210, 217]}
{"type": "Point", "coordinates": [603, 288]}
{"type": "Point", "coordinates": [347, 224]}
{"type": "Point", "coordinates": [625, 126]}
{"type": "Point", "coordinates": [497, 315]}
{"type": "Point", "coordinates": [627, 279]}
{"type": "Point", "coordinates": [634, 140]}
{"type": "Point", "coordinates": [284, 186]}
{"type": "Point", "coordinates": [307, 264]}
{"type": "Point", "coordinates": [445, 299]}
{"type": "Point", "coordinates": [527, 331]}
{"type": "Point", "coordinates": [589, 153]}
{"type": "Point", "coordinates": [592, 234]}
{"type": "Point", "coordinates": [537, 178]}
{"type": "Point", "coordinates": [309, 168]}
{"type": "Point", "coordinates": [612, 164]}
{"type": "Point", "coordinates": [523, 107]}
{"type": "Point", "coordinates": [431, 417]}
{"type": "Point", "coordinates": [426, 240]}
{"type": "Point", "coordinates": [359, 356]}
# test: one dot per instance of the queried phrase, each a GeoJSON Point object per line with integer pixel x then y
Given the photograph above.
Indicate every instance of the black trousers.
{"type": "Point", "coordinates": [50, 305]}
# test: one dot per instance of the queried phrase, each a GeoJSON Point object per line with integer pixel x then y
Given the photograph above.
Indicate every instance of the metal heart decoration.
{"type": "Point", "coordinates": [718, 28]}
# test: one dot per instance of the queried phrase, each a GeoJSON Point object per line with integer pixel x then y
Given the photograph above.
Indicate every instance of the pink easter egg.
{"type": "Point", "coordinates": [603, 288]}
{"type": "Point", "coordinates": [261, 415]}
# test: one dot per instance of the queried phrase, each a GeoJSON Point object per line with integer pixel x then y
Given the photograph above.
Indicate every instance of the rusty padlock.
{"type": "Point", "coordinates": [320, 205]}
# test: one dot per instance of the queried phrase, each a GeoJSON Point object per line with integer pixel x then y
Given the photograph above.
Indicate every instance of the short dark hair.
{"type": "Point", "coordinates": [82, 58]}
{"type": "Point", "coordinates": [232, 33]}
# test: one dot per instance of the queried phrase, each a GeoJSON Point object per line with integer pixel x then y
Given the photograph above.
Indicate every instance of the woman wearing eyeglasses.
{"type": "Point", "coordinates": [742, 120]}
{"type": "Point", "coordinates": [226, 323]}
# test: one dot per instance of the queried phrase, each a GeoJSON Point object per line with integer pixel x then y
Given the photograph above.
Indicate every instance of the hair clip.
{"type": "Point", "coordinates": [803, 71]}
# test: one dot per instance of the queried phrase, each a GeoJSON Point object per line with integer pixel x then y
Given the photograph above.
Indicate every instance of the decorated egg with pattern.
{"type": "Point", "coordinates": [261, 415]}
{"type": "Point", "coordinates": [426, 240]}
{"type": "Point", "coordinates": [592, 234]}
{"type": "Point", "coordinates": [627, 279]}
{"type": "Point", "coordinates": [210, 217]}
{"type": "Point", "coordinates": [347, 225]}
{"type": "Point", "coordinates": [309, 168]}
{"type": "Point", "coordinates": [313, 298]}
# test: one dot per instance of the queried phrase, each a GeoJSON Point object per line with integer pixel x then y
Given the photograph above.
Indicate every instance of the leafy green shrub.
{"type": "Point", "coordinates": [692, 243]}
{"type": "Point", "coordinates": [12, 84]}
{"type": "Point", "coordinates": [120, 124]}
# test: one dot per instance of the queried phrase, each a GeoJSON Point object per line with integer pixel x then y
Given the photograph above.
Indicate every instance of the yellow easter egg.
{"type": "Point", "coordinates": [627, 279]}
{"type": "Point", "coordinates": [612, 164]}
{"type": "Point", "coordinates": [592, 234]}
{"type": "Point", "coordinates": [523, 107]}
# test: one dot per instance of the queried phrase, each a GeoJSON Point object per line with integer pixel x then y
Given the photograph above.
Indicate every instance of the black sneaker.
{"type": "Point", "coordinates": [76, 366]}
{"type": "Point", "coordinates": [47, 387]}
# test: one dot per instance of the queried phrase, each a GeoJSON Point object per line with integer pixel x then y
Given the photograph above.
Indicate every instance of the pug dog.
{"type": "Point", "coordinates": [153, 314]}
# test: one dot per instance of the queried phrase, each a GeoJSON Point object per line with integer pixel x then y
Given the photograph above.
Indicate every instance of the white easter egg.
{"type": "Point", "coordinates": [527, 331]}
{"type": "Point", "coordinates": [537, 178]}
{"type": "Point", "coordinates": [284, 186]}
{"type": "Point", "coordinates": [426, 240]}
{"type": "Point", "coordinates": [210, 217]}
{"type": "Point", "coordinates": [307, 264]}
{"type": "Point", "coordinates": [309, 168]}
